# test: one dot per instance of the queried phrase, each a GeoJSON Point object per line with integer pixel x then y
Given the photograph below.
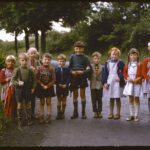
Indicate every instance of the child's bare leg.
{"type": "Point", "coordinates": [49, 109]}
{"type": "Point", "coordinates": [48, 102]}
{"type": "Point", "coordinates": [58, 107]}
{"type": "Point", "coordinates": [75, 103]}
{"type": "Point", "coordinates": [118, 104]}
{"type": "Point", "coordinates": [82, 94]}
{"type": "Point", "coordinates": [42, 102]}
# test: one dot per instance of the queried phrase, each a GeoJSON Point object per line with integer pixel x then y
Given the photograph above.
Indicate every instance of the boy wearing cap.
{"type": "Point", "coordinates": [146, 75]}
{"type": "Point", "coordinates": [80, 68]}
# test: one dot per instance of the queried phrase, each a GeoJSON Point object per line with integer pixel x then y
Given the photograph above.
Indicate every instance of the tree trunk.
{"type": "Point", "coordinates": [43, 41]}
{"type": "Point", "coordinates": [37, 40]}
{"type": "Point", "coordinates": [27, 39]}
{"type": "Point", "coordinates": [16, 43]}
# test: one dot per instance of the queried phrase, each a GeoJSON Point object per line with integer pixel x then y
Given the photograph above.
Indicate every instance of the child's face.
{"type": "Point", "coordinates": [23, 62]}
{"type": "Point", "coordinates": [96, 60]}
{"type": "Point", "coordinates": [46, 61]}
{"type": "Point", "coordinates": [133, 57]}
{"type": "Point", "coordinates": [10, 63]}
{"type": "Point", "coordinates": [78, 50]}
{"type": "Point", "coordinates": [114, 55]}
{"type": "Point", "coordinates": [61, 62]}
{"type": "Point", "coordinates": [32, 54]}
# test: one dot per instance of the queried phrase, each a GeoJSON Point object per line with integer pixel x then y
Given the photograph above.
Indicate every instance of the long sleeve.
{"type": "Point", "coordinates": [125, 72]}
{"type": "Point", "coordinates": [2, 76]}
{"type": "Point", "coordinates": [88, 71]}
{"type": "Point", "coordinates": [15, 77]}
{"type": "Point", "coordinates": [53, 78]}
{"type": "Point", "coordinates": [145, 70]}
{"type": "Point", "coordinates": [105, 74]}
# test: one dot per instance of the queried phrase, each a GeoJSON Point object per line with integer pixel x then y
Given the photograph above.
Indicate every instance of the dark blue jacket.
{"type": "Point", "coordinates": [119, 71]}
{"type": "Point", "coordinates": [66, 76]}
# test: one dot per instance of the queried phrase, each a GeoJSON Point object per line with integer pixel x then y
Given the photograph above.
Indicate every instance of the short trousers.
{"type": "Point", "coordinates": [78, 82]}
{"type": "Point", "coordinates": [42, 93]}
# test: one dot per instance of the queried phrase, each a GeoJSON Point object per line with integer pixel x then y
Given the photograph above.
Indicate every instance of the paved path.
{"type": "Point", "coordinates": [89, 132]}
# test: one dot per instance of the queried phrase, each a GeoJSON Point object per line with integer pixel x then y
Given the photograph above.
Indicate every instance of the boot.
{"type": "Point", "coordinates": [83, 109]}
{"type": "Point", "coordinates": [48, 119]}
{"type": "Point", "coordinates": [29, 121]}
{"type": "Point", "coordinates": [19, 116]}
{"type": "Point", "coordinates": [75, 112]}
{"type": "Point", "coordinates": [58, 113]}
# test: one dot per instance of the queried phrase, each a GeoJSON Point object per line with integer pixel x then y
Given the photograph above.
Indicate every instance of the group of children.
{"type": "Point", "coordinates": [34, 78]}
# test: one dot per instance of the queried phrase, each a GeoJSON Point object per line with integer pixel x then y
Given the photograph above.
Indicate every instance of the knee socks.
{"type": "Point", "coordinates": [111, 106]}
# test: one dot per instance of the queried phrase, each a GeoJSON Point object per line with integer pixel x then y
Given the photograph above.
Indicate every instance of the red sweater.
{"type": "Point", "coordinates": [138, 73]}
{"type": "Point", "coordinates": [145, 69]}
{"type": "Point", "coordinates": [4, 75]}
{"type": "Point", "coordinates": [46, 75]}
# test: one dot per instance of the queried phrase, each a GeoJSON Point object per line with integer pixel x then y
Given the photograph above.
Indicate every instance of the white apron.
{"type": "Point", "coordinates": [114, 90]}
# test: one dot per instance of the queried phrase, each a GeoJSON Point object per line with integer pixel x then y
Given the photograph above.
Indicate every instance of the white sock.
{"type": "Point", "coordinates": [137, 107]}
{"type": "Point", "coordinates": [131, 108]}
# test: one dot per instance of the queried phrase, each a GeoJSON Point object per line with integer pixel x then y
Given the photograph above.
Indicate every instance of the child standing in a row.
{"type": "Point", "coordinates": [33, 63]}
{"type": "Point", "coordinates": [133, 74]}
{"type": "Point", "coordinates": [25, 82]}
{"type": "Point", "coordinates": [45, 90]}
{"type": "Point", "coordinates": [80, 68]}
{"type": "Point", "coordinates": [7, 91]}
{"type": "Point", "coordinates": [113, 80]}
{"type": "Point", "coordinates": [62, 85]}
{"type": "Point", "coordinates": [96, 85]}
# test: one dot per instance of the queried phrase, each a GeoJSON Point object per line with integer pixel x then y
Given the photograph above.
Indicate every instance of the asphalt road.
{"type": "Point", "coordinates": [89, 132]}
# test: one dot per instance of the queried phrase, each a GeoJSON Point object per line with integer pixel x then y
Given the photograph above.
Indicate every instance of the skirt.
{"type": "Point", "coordinates": [42, 93]}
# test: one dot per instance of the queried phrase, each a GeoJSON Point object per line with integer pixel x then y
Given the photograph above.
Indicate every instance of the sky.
{"type": "Point", "coordinates": [9, 37]}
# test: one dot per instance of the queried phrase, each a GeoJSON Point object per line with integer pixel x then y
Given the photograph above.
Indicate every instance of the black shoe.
{"type": "Point", "coordinates": [62, 116]}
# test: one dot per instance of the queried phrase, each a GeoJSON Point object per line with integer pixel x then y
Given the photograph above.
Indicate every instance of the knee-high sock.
{"type": "Point", "coordinates": [131, 108]}
{"type": "Point", "coordinates": [137, 107]}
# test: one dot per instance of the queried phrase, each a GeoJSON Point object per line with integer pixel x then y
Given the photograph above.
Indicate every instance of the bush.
{"type": "Point", "coordinates": [2, 61]}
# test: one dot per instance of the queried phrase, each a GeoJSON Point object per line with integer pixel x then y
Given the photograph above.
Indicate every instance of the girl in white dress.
{"type": "Point", "coordinates": [113, 81]}
{"type": "Point", "coordinates": [133, 74]}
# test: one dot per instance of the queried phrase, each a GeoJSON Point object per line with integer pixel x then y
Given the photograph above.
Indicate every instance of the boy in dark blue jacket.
{"type": "Point", "coordinates": [62, 84]}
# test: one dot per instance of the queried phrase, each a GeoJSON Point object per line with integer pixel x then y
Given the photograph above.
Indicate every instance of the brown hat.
{"type": "Point", "coordinates": [78, 44]}
{"type": "Point", "coordinates": [133, 50]}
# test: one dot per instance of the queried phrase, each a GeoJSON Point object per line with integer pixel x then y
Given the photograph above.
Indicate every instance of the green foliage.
{"type": "Point", "coordinates": [2, 61]}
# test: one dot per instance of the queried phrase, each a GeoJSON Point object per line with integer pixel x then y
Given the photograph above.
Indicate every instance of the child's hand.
{"type": "Point", "coordinates": [106, 85]}
{"type": "Point", "coordinates": [45, 87]}
{"type": "Point", "coordinates": [7, 79]}
{"type": "Point", "coordinates": [64, 86]}
{"type": "Point", "coordinates": [21, 83]}
{"type": "Point", "coordinates": [60, 85]}
{"type": "Point", "coordinates": [32, 91]}
{"type": "Point", "coordinates": [129, 79]}
{"type": "Point", "coordinates": [79, 72]}
{"type": "Point", "coordinates": [88, 67]}
{"type": "Point", "coordinates": [136, 80]}
{"type": "Point", "coordinates": [118, 79]}
{"type": "Point", "coordinates": [33, 68]}
{"type": "Point", "coordinates": [74, 73]}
